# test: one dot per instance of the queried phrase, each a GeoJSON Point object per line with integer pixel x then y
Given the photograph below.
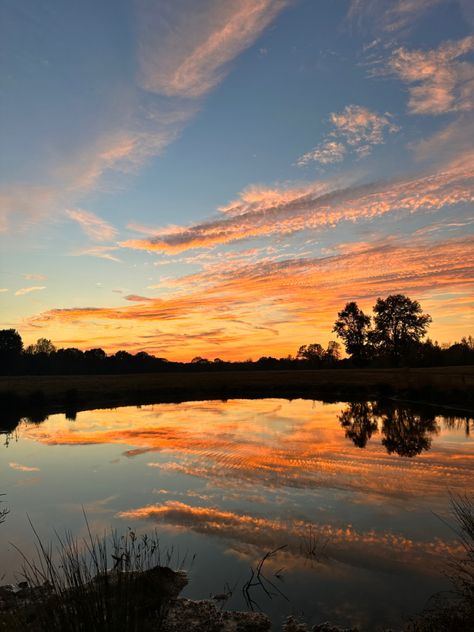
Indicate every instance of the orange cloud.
{"type": "Point", "coordinates": [255, 307]}
{"type": "Point", "coordinates": [256, 218]}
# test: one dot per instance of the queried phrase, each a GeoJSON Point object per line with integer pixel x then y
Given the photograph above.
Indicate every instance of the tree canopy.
{"type": "Point", "coordinates": [399, 323]}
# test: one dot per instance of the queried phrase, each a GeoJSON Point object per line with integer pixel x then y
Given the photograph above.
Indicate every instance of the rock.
{"type": "Point", "coordinates": [203, 616]}
{"type": "Point", "coordinates": [329, 627]}
{"type": "Point", "coordinates": [293, 625]}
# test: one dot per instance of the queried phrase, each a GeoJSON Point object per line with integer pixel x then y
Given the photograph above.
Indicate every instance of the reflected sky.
{"type": "Point", "coordinates": [357, 493]}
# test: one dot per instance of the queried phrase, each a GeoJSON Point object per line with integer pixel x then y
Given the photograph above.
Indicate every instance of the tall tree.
{"type": "Point", "coordinates": [11, 343]}
{"type": "Point", "coordinates": [11, 347]}
{"type": "Point", "coordinates": [399, 324]}
{"type": "Point", "coordinates": [353, 327]}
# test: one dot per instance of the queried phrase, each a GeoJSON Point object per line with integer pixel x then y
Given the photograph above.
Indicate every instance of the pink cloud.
{"type": "Point", "coordinates": [189, 58]}
{"type": "Point", "coordinates": [94, 227]}
{"type": "Point", "coordinates": [438, 81]}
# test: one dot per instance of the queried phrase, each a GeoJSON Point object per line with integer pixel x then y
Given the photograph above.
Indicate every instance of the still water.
{"type": "Point", "coordinates": [357, 493]}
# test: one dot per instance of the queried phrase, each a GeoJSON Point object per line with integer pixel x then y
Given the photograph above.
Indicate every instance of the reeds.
{"type": "Point", "coordinates": [3, 512]}
{"type": "Point", "coordinates": [454, 611]}
{"type": "Point", "coordinates": [113, 583]}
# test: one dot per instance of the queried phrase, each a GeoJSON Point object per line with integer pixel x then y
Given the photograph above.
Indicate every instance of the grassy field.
{"type": "Point", "coordinates": [450, 385]}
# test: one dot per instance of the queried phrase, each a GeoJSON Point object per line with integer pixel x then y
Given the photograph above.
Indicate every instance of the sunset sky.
{"type": "Point", "coordinates": [219, 177]}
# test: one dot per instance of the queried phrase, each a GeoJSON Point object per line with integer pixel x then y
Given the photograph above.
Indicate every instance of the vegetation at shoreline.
{"type": "Point", "coordinates": [393, 337]}
{"type": "Point", "coordinates": [113, 583]}
{"type": "Point", "coordinates": [118, 584]}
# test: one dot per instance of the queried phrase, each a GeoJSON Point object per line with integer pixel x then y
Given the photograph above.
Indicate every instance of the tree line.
{"type": "Point", "coordinates": [393, 336]}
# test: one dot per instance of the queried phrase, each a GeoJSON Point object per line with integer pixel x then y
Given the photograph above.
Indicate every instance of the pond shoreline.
{"type": "Point", "coordinates": [20, 396]}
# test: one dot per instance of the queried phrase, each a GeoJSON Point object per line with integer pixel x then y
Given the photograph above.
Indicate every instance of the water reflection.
{"type": "Point", "coordinates": [233, 480]}
{"type": "Point", "coordinates": [404, 431]}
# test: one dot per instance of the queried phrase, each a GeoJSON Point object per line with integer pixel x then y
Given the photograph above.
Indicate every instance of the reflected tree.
{"type": "Point", "coordinates": [359, 422]}
{"type": "Point", "coordinates": [405, 432]}
{"type": "Point", "coordinates": [465, 423]}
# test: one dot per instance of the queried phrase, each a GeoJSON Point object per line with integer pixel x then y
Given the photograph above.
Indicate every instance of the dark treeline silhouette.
{"type": "Point", "coordinates": [392, 337]}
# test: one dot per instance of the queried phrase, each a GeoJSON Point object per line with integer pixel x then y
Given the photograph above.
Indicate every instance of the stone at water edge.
{"type": "Point", "coordinates": [203, 616]}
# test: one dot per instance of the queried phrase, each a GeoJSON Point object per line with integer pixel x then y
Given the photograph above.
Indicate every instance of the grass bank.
{"type": "Point", "coordinates": [25, 395]}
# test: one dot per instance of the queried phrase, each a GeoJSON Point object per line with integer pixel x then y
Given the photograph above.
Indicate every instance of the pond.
{"type": "Point", "coordinates": [356, 493]}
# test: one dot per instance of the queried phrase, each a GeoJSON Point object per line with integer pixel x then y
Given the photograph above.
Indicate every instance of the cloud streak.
{"type": "Point", "coordinates": [95, 227]}
{"type": "Point", "coordinates": [26, 290]}
{"type": "Point", "coordinates": [194, 48]}
{"type": "Point", "coordinates": [23, 468]}
{"type": "Point", "coordinates": [301, 211]}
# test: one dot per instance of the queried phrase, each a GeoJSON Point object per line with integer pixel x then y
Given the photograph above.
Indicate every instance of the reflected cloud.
{"type": "Point", "coordinates": [296, 446]}
{"type": "Point", "coordinates": [23, 468]}
{"type": "Point", "coordinates": [344, 543]}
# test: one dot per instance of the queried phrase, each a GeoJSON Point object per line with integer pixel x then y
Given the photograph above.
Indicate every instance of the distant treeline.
{"type": "Point", "coordinates": [392, 337]}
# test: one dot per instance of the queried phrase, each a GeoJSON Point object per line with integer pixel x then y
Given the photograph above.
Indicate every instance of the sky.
{"type": "Point", "coordinates": [218, 178]}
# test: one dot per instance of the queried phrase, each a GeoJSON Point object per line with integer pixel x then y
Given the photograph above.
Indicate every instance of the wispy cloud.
{"type": "Point", "coordinates": [189, 55]}
{"type": "Point", "coordinates": [315, 211]}
{"type": "Point", "coordinates": [4, 289]}
{"type": "Point", "coordinates": [27, 290]}
{"type": "Point", "coordinates": [25, 205]}
{"type": "Point", "coordinates": [23, 468]}
{"type": "Point", "coordinates": [34, 276]}
{"type": "Point", "coordinates": [390, 15]}
{"type": "Point", "coordinates": [183, 53]}
{"type": "Point", "coordinates": [356, 129]}
{"type": "Point", "coordinates": [102, 252]}
{"type": "Point", "coordinates": [94, 227]}
{"type": "Point", "coordinates": [438, 81]}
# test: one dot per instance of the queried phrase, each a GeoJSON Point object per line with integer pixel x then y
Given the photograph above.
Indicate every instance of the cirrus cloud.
{"type": "Point", "coordinates": [27, 290]}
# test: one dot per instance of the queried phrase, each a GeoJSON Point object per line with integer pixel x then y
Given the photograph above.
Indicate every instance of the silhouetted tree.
{"type": "Point", "coordinates": [11, 347]}
{"type": "Point", "coordinates": [399, 325]}
{"type": "Point", "coordinates": [353, 327]}
{"type": "Point", "coordinates": [359, 422]}
{"type": "Point", "coordinates": [42, 345]}
{"type": "Point", "coordinates": [313, 352]}
{"type": "Point", "coordinates": [333, 352]}
{"type": "Point", "coordinates": [199, 360]}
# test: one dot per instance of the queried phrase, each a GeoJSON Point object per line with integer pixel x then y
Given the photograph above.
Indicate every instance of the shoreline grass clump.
{"type": "Point", "coordinates": [111, 583]}
{"type": "Point", "coordinates": [453, 611]}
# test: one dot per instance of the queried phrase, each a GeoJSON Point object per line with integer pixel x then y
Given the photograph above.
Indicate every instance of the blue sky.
{"type": "Point", "coordinates": [219, 177]}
